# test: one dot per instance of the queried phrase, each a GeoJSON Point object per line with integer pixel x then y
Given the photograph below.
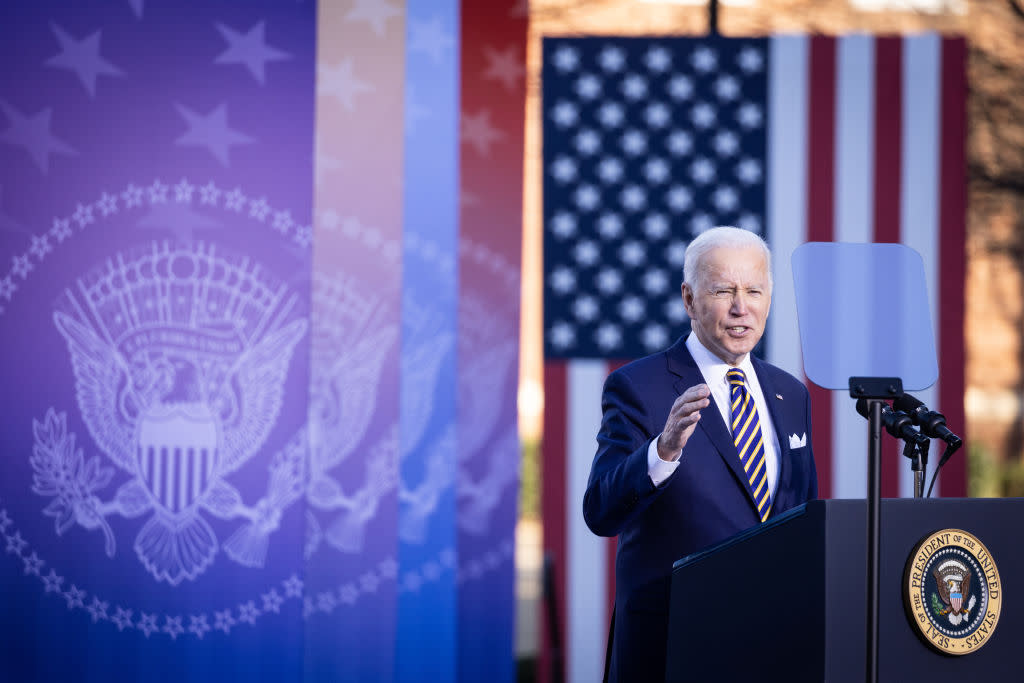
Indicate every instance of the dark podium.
{"type": "Point", "coordinates": [786, 601]}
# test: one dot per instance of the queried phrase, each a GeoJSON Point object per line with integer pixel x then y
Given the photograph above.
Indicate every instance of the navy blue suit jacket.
{"type": "Point", "coordinates": [703, 502]}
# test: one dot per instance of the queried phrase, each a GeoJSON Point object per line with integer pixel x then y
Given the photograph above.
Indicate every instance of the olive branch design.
{"type": "Point", "coordinates": [63, 473]}
{"type": "Point", "coordinates": [937, 606]}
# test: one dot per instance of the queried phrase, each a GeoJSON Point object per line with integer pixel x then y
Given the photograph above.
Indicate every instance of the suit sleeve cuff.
{"type": "Point", "coordinates": [657, 469]}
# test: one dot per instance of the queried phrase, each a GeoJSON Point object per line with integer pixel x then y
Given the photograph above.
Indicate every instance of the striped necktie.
{"type": "Point", "coordinates": [746, 434]}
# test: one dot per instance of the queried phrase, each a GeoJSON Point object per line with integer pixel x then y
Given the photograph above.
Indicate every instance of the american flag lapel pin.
{"type": "Point", "coordinates": [778, 396]}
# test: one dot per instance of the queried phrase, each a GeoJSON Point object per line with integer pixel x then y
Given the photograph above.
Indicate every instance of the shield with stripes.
{"type": "Point", "coordinates": [178, 453]}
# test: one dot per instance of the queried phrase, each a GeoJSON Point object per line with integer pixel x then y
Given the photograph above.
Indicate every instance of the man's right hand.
{"type": "Point", "coordinates": [682, 420]}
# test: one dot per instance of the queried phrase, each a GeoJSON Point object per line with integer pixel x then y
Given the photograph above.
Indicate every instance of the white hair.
{"type": "Point", "coordinates": [721, 236]}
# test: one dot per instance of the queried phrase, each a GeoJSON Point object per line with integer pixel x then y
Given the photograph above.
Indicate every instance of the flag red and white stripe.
{"type": "Point", "coordinates": [866, 144]}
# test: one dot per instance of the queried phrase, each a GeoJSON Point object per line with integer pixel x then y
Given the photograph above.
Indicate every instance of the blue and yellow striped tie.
{"type": "Point", "coordinates": [746, 434]}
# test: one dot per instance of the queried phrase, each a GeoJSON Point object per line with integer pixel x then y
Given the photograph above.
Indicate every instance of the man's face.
{"type": "Point", "coordinates": [729, 305]}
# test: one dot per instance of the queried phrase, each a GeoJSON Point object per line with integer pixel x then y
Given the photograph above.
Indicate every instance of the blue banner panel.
{"type": "Point", "coordinates": [427, 522]}
{"type": "Point", "coordinates": [155, 204]}
{"type": "Point", "coordinates": [352, 513]}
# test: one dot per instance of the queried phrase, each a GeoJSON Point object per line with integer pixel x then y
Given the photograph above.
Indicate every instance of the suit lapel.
{"type": "Point", "coordinates": [718, 433]}
{"type": "Point", "coordinates": [774, 400]}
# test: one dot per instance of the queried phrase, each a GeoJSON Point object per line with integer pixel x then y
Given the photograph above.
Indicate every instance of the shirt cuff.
{"type": "Point", "coordinates": [657, 469]}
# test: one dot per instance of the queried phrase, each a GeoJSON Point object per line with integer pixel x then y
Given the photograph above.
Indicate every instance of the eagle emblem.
{"type": "Point", "coordinates": [353, 338]}
{"type": "Point", "coordinates": [952, 591]}
{"type": "Point", "coordinates": [180, 356]}
{"type": "Point", "coordinates": [953, 583]}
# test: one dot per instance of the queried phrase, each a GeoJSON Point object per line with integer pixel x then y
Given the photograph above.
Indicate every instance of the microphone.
{"type": "Point", "coordinates": [932, 423]}
{"type": "Point", "coordinates": [896, 422]}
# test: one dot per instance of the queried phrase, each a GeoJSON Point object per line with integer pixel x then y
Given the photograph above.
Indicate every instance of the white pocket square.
{"type": "Point", "coordinates": [798, 441]}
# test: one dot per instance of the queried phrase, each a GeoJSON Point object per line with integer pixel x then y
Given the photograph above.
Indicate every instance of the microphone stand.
{"type": "Point", "coordinates": [875, 390]}
{"type": "Point", "coordinates": [918, 462]}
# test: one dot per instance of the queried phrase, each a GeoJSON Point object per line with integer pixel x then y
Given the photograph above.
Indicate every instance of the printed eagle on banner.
{"type": "Point", "coordinates": [202, 415]}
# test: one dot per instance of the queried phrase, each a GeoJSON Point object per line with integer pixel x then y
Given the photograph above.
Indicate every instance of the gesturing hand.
{"type": "Point", "coordinates": [682, 420]}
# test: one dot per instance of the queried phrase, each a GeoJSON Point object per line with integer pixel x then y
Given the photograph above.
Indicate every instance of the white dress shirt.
{"type": "Point", "coordinates": [713, 369]}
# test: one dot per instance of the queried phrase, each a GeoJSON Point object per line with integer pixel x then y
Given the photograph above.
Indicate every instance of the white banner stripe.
{"type": "Point", "coordinates": [198, 477]}
{"type": "Point", "coordinates": [919, 202]}
{"type": "Point", "coordinates": [786, 190]}
{"type": "Point", "coordinates": [587, 554]}
{"type": "Point", "coordinates": [181, 462]}
{"type": "Point", "coordinates": [158, 473]}
{"type": "Point", "coordinates": [854, 192]}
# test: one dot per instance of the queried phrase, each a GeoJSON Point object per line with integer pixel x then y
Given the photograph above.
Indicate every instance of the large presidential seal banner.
{"type": "Point", "coordinates": [155, 297]}
{"type": "Point", "coordinates": [237, 364]}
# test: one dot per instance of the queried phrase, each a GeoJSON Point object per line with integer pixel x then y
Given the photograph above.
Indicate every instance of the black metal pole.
{"type": "Point", "coordinates": [874, 390]}
{"type": "Point", "coordinates": [556, 670]}
{"type": "Point", "coordinates": [874, 533]}
{"type": "Point", "coordinates": [713, 17]}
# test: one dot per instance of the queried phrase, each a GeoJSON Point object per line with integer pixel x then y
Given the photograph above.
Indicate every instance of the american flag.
{"type": "Point", "coordinates": [650, 141]}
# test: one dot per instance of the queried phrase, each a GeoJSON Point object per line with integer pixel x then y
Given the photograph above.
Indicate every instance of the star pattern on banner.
{"type": "Point", "coordinates": [504, 66]}
{"type": "Point", "coordinates": [172, 627]}
{"type": "Point", "coordinates": [40, 246]}
{"type": "Point", "coordinates": [520, 9]}
{"type": "Point", "coordinates": [647, 144]}
{"type": "Point", "coordinates": [479, 132]}
{"type": "Point", "coordinates": [147, 624]}
{"type": "Point", "coordinates": [249, 49]}
{"type": "Point", "coordinates": [21, 266]}
{"type": "Point", "coordinates": [75, 597]}
{"type": "Point", "coordinates": [340, 82]}
{"type": "Point", "coordinates": [33, 564]}
{"type": "Point", "coordinates": [32, 133]}
{"type": "Point", "coordinates": [157, 195]}
{"type": "Point", "coordinates": [369, 582]}
{"type": "Point", "coordinates": [7, 290]}
{"type": "Point", "coordinates": [248, 612]}
{"type": "Point", "coordinates": [52, 582]}
{"type": "Point", "coordinates": [272, 601]}
{"type": "Point", "coordinates": [198, 625]}
{"type": "Point", "coordinates": [97, 609]}
{"type": "Point", "coordinates": [223, 621]}
{"type": "Point", "coordinates": [82, 57]}
{"type": "Point", "coordinates": [15, 543]}
{"type": "Point", "coordinates": [168, 209]}
{"type": "Point", "coordinates": [211, 131]}
{"type": "Point", "coordinates": [122, 618]}
{"type": "Point", "coordinates": [429, 38]}
{"type": "Point", "coordinates": [374, 12]}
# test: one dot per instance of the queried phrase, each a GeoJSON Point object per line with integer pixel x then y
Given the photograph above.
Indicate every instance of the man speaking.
{"type": "Point", "coordinates": [697, 443]}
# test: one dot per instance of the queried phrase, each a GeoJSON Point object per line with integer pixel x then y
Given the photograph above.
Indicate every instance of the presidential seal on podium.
{"type": "Point", "coordinates": [952, 592]}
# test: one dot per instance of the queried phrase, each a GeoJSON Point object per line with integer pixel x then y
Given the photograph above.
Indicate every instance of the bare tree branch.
{"type": "Point", "coordinates": [1017, 6]}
